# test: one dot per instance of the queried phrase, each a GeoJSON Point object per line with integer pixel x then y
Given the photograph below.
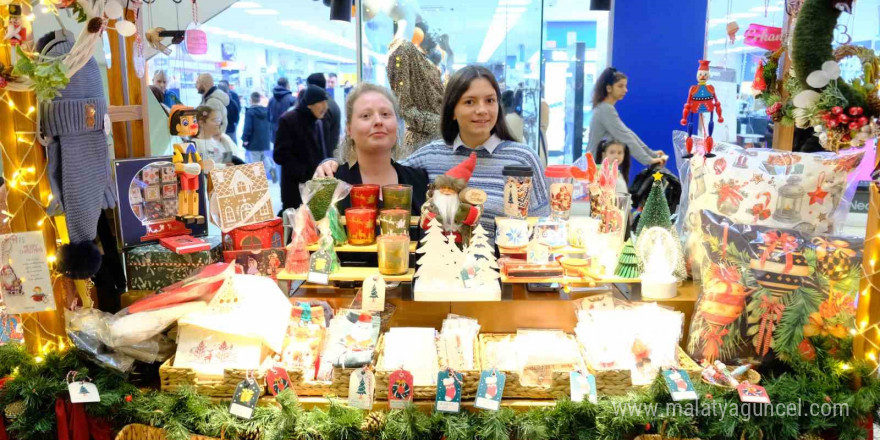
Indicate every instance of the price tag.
{"type": "Point", "coordinates": [490, 390]}
{"type": "Point", "coordinates": [679, 385]}
{"type": "Point", "coordinates": [583, 385]}
{"type": "Point", "coordinates": [448, 392]}
{"type": "Point", "coordinates": [361, 388]}
{"type": "Point", "coordinates": [400, 389]}
{"type": "Point", "coordinates": [373, 294]}
{"type": "Point", "coordinates": [82, 391]}
{"type": "Point", "coordinates": [245, 398]}
{"type": "Point", "coordinates": [750, 393]}
{"type": "Point", "coordinates": [277, 380]}
{"type": "Point", "coordinates": [320, 265]}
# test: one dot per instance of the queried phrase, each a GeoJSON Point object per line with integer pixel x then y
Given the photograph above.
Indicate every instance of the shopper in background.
{"type": "Point", "coordinates": [332, 81]}
{"type": "Point", "coordinates": [469, 123]}
{"type": "Point", "coordinates": [282, 100]}
{"type": "Point", "coordinates": [610, 88]}
{"type": "Point", "coordinates": [332, 120]}
{"type": "Point", "coordinates": [213, 97]}
{"type": "Point", "coordinates": [160, 90]}
{"type": "Point", "coordinates": [299, 143]}
{"type": "Point", "coordinates": [371, 138]}
{"type": "Point", "coordinates": [511, 116]}
{"type": "Point", "coordinates": [212, 143]}
{"type": "Point", "coordinates": [233, 110]}
{"type": "Point", "coordinates": [615, 150]}
{"type": "Point", "coordinates": [256, 136]}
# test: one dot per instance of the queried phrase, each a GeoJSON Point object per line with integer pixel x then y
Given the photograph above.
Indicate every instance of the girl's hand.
{"type": "Point", "coordinates": [326, 169]}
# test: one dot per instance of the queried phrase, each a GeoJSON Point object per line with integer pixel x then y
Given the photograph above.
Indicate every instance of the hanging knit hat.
{"type": "Point", "coordinates": [313, 95]}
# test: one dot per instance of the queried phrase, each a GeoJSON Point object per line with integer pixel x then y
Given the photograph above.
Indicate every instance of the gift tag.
{"type": "Point", "coordinates": [400, 389]}
{"type": "Point", "coordinates": [244, 400]}
{"type": "Point", "coordinates": [373, 294]}
{"type": "Point", "coordinates": [583, 385]}
{"type": "Point", "coordinates": [83, 392]}
{"type": "Point", "coordinates": [679, 385]}
{"type": "Point", "coordinates": [469, 273]}
{"type": "Point", "coordinates": [320, 265]}
{"type": "Point", "coordinates": [360, 389]}
{"type": "Point", "coordinates": [490, 390]}
{"type": "Point", "coordinates": [751, 393]}
{"type": "Point", "coordinates": [448, 392]}
{"type": "Point", "coordinates": [277, 380]}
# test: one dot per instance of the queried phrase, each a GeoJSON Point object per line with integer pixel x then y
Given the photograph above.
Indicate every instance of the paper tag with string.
{"type": "Point", "coordinates": [361, 388]}
{"type": "Point", "coordinates": [448, 398]}
{"type": "Point", "coordinates": [583, 385]}
{"type": "Point", "coordinates": [490, 390]}
{"type": "Point", "coordinates": [82, 391]}
{"type": "Point", "coordinates": [245, 398]}
{"type": "Point", "coordinates": [400, 389]}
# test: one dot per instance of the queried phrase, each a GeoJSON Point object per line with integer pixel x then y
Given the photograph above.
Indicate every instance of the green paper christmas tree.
{"type": "Point", "coordinates": [374, 293]}
{"type": "Point", "coordinates": [628, 264]}
{"type": "Point", "coordinates": [362, 387]}
{"type": "Point", "coordinates": [656, 210]}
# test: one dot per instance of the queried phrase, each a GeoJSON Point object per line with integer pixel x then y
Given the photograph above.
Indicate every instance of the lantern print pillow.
{"type": "Point", "coordinates": [799, 191]}
{"type": "Point", "coordinates": [767, 291]}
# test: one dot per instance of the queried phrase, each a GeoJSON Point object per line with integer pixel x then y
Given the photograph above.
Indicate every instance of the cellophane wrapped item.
{"type": "Point", "coordinates": [332, 215]}
{"type": "Point", "coordinates": [305, 336]}
{"type": "Point", "coordinates": [318, 195]}
{"type": "Point", "coordinates": [297, 262]}
{"type": "Point", "coordinates": [350, 343]}
{"type": "Point", "coordinates": [455, 346]}
{"type": "Point", "coordinates": [91, 330]}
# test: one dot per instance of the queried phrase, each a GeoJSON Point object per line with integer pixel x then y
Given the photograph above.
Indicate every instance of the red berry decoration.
{"type": "Point", "coordinates": [827, 399]}
{"type": "Point", "coordinates": [837, 110]}
{"type": "Point", "coordinates": [647, 426]}
{"type": "Point", "coordinates": [708, 396]}
{"type": "Point", "coordinates": [843, 119]}
{"type": "Point", "coordinates": [833, 124]}
{"type": "Point", "coordinates": [854, 125]}
{"type": "Point", "coordinates": [128, 398]}
{"type": "Point", "coordinates": [826, 117]}
{"type": "Point", "coordinates": [856, 111]}
{"type": "Point", "coordinates": [2, 82]}
{"type": "Point", "coordinates": [863, 121]}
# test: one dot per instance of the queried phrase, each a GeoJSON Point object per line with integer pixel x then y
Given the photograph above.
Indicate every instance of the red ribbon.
{"type": "Point", "coordinates": [714, 341]}
{"type": "Point", "coordinates": [772, 315]}
{"type": "Point", "coordinates": [788, 244]}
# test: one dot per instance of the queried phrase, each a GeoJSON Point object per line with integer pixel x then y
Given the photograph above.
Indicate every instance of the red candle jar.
{"type": "Point", "coordinates": [397, 197]}
{"type": "Point", "coordinates": [361, 225]}
{"type": "Point", "coordinates": [365, 196]}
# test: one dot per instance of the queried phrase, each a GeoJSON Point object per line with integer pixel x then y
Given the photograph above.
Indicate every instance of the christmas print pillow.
{"type": "Point", "coordinates": [801, 191]}
{"type": "Point", "coordinates": [766, 291]}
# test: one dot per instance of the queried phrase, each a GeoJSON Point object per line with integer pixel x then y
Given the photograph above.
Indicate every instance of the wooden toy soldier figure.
{"type": "Point", "coordinates": [16, 32]}
{"type": "Point", "coordinates": [701, 99]}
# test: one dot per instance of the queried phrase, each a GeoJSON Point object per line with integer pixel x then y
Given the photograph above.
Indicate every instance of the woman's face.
{"type": "Point", "coordinates": [477, 110]}
{"type": "Point", "coordinates": [613, 152]}
{"type": "Point", "coordinates": [373, 126]}
{"type": "Point", "coordinates": [211, 126]}
{"type": "Point", "coordinates": [618, 90]}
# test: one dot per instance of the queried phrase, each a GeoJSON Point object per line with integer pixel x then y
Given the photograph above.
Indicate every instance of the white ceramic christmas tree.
{"type": "Point", "coordinates": [442, 263]}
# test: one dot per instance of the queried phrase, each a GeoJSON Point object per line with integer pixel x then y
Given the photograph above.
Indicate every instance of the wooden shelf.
{"type": "Point", "coordinates": [571, 281]}
{"type": "Point", "coordinates": [352, 274]}
{"type": "Point", "coordinates": [367, 249]}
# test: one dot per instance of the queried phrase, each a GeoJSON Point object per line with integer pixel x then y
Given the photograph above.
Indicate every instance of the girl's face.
{"type": "Point", "coordinates": [613, 152]}
{"type": "Point", "coordinates": [211, 125]}
{"type": "Point", "coordinates": [477, 110]}
{"type": "Point", "coordinates": [618, 90]}
{"type": "Point", "coordinates": [373, 126]}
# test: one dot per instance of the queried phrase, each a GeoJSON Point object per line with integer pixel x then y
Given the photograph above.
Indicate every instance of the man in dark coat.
{"type": "Point", "coordinates": [299, 144]}
{"type": "Point", "coordinates": [333, 118]}
{"type": "Point", "coordinates": [282, 100]}
{"type": "Point", "coordinates": [256, 136]}
{"type": "Point", "coordinates": [233, 110]}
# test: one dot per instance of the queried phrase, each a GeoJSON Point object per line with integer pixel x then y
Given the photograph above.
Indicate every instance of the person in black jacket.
{"type": "Point", "coordinates": [233, 110]}
{"type": "Point", "coordinates": [256, 135]}
{"type": "Point", "coordinates": [282, 100]}
{"type": "Point", "coordinates": [299, 144]}
{"type": "Point", "coordinates": [333, 118]}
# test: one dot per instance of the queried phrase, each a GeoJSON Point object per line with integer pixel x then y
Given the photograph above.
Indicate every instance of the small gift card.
{"type": "Point", "coordinates": [537, 253]}
{"type": "Point", "coordinates": [277, 380]}
{"type": "Point", "coordinates": [320, 264]}
{"type": "Point", "coordinates": [400, 389]}
{"type": "Point", "coordinates": [751, 393]}
{"type": "Point", "coordinates": [373, 294]}
{"type": "Point", "coordinates": [470, 272]}
{"type": "Point", "coordinates": [679, 385]}
{"type": "Point", "coordinates": [245, 398]}
{"type": "Point", "coordinates": [583, 385]}
{"type": "Point", "coordinates": [448, 392]}
{"type": "Point", "coordinates": [83, 392]}
{"type": "Point", "coordinates": [490, 390]}
{"type": "Point", "coordinates": [360, 389]}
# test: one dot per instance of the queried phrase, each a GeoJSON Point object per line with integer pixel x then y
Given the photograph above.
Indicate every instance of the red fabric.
{"type": "Point", "coordinates": [75, 424]}
{"type": "Point", "coordinates": [3, 434]}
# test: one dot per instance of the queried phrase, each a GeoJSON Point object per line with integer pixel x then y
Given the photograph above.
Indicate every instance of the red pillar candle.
{"type": "Point", "coordinates": [361, 225]}
{"type": "Point", "coordinates": [397, 197]}
{"type": "Point", "coordinates": [365, 196]}
{"type": "Point", "coordinates": [394, 221]}
{"type": "Point", "coordinates": [393, 253]}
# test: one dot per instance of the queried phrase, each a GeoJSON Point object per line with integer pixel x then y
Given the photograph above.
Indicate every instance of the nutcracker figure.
{"type": "Point", "coordinates": [16, 32]}
{"type": "Point", "coordinates": [701, 99]}
{"type": "Point", "coordinates": [188, 163]}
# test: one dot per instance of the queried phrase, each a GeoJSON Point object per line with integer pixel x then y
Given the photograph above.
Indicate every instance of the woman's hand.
{"type": "Point", "coordinates": [326, 169]}
{"type": "Point", "coordinates": [661, 157]}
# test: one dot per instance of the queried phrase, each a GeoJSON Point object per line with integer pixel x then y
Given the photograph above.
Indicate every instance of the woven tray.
{"type": "Point", "coordinates": [172, 378]}
{"type": "Point", "coordinates": [618, 382]}
{"type": "Point", "coordinates": [144, 432]}
{"type": "Point", "coordinates": [559, 381]}
{"type": "Point", "coordinates": [337, 387]}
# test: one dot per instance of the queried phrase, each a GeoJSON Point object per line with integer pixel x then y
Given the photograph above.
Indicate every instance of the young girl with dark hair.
{"type": "Point", "coordinates": [615, 150]}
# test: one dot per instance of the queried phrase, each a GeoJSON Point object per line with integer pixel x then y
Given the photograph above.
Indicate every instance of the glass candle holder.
{"type": "Point", "coordinates": [365, 196]}
{"type": "Point", "coordinates": [361, 225]}
{"type": "Point", "coordinates": [561, 190]}
{"type": "Point", "coordinates": [397, 197]}
{"type": "Point", "coordinates": [393, 254]}
{"type": "Point", "coordinates": [394, 221]}
{"type": "Point", "coordinates": [517, 190]}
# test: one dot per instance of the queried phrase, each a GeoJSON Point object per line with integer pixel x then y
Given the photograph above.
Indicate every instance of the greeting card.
{"type": "Point", "coordinates": [24, 273]}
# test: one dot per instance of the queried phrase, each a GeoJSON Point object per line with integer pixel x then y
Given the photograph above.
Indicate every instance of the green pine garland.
{"type": "Point", "coordinates": [185, 412]}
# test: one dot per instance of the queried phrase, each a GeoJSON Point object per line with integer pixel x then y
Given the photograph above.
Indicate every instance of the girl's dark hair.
{"type": "Point", "coordinates": [455, 89]}
{"type": "Point", "coordinates": [609, 77]}
{"type": "Point", "coordinates": [624, 165]}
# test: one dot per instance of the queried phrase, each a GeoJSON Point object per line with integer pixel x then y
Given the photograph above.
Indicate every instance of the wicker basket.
{"type": "Point", "coordinates": [559, 382]}
{"type": "Point", "coordinates": [618, 382]}
{"type": "Point", "coordinates": [144, 432]}
{"type": "Point", "coordinates": [338, 386]}
{"type": "Point", "coordinates": [173, 378]}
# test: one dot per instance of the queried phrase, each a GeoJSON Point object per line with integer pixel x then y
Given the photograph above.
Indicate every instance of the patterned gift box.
{"type": "Point", "coordinates": [263, 262]}
{"type": "Point", "coordinates": [154, 267]}
{"type": "Point", "coordinates": [265, 235]}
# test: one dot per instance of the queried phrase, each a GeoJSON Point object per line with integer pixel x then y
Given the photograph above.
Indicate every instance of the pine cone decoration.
{"type": "Point", "coordinates": [874, 103]}
{"type": "Point", "coordinates": [14, 410]}
{"type": "Point", "coordinates": [373, 424]}
{"type": "Point", "coordinates": [256, 435]}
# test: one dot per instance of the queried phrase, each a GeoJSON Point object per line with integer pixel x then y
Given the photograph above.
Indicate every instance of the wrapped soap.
{"type": "Point", "coordinates": [297, 256]}
{"type": "Point", "coordinates": [318, 195]}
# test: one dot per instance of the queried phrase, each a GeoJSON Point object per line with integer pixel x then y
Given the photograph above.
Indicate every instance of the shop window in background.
{"type": "Point", "coordinates": [413, 47]}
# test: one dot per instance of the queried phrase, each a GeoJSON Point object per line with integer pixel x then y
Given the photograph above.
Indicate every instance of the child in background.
{"type": "Point", "coordinates": [610, 149]}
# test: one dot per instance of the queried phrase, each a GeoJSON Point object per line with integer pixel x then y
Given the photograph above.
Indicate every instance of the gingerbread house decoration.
{"type": "Point", "coordinates": [241, 195]}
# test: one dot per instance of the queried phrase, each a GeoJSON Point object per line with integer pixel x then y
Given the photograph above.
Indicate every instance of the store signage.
{"type": "Point", "coordinates": [765, 37]}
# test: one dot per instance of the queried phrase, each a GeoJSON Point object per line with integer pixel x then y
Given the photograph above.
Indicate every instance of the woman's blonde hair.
{"type": "Point", "coordinates": [346, 151]}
